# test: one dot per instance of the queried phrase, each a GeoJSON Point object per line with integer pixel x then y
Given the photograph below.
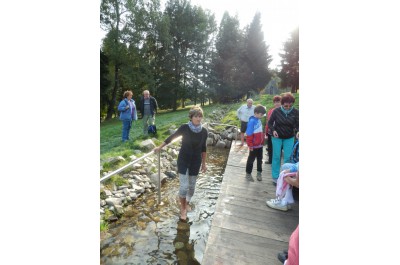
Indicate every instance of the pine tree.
{"type": "Point", "coordinates": [290, 62]}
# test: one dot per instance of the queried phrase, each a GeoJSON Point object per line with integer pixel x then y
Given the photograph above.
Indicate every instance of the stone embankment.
{"type": "Point", "coordinates": [143, 176]}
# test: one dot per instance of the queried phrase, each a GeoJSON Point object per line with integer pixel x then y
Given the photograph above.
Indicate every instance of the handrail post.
{"type": "Point", "coordinates": [159, 177]}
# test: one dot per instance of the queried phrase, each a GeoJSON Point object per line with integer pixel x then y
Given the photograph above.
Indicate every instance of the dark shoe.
{"type": "Point", "coordinates": [249, 177]}
{"type": "Point", "coordinates": [259, 178]}
{"type": "Point", "coordinates": [282, 257]}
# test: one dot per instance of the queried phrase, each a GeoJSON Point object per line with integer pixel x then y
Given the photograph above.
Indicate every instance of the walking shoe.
{"type": "Point", "coordinates": [259, 178]}
{"type": "Point", "coordinates": [249, 177]}
{"type": "Point", "coordinates": [282, 257]}
{"type": "Point", "coordinates": [278, 204]}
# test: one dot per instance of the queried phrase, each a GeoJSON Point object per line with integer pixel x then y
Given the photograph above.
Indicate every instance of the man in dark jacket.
{"type": "Point", "coordinates": [148, 109]}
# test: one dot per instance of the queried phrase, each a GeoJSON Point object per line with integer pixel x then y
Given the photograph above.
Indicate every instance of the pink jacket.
{"type": "Point", "coordinates": [266, 124]}
{"type": "Point", "coordinates": [293, 253]}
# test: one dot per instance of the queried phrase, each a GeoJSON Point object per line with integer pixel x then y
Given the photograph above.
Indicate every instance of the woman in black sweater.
{"type": "Point", "coordinates": [192, 156]}
{"type": "Point", "coordinates": [284, 124]}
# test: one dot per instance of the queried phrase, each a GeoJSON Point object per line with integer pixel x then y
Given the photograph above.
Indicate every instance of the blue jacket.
{"type": "Point", "coordinates": [125, 114]}
{"type": "Point", "coordinates": [254, 132]}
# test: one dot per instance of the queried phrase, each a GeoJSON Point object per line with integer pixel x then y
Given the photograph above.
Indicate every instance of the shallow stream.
{"type": "Point", "coordinates": [149, 233]}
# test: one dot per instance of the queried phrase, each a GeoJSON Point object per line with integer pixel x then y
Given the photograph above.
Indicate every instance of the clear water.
{"type": "Point", "coordinates": [149, 233]}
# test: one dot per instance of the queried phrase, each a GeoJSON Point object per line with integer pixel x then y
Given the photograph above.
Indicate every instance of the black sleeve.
{"type": "Point", "coordinates": [297, 121]}
{"type": "Point", "coordinates": [204, 145]}
{"type": "Point", "coordinates": [175, 134]}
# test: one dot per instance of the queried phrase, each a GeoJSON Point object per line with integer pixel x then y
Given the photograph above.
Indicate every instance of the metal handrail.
{"type": "Point", "coordinates": [159, 161]}
{"type": "Point", "coordinates": [135, 161]}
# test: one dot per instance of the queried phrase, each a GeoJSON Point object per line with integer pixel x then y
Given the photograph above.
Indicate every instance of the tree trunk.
{"type": "Point", "coordinates": [111, 104]}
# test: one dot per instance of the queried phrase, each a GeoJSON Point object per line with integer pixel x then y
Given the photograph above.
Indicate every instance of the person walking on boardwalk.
{"type": "Point", "coordinates": [244, 113]}
{"type": "Point", "coordinates": [128, 113]}
{"type": "Point", "coordinates": [191, 158]}
{"type": "Point", "coordinates": [148, 108]}
{"type": "Point", "coordinates": [284, 124]}
{"type": "Point", "coordinates": [255, 141]}
{"type": "Point", "coordinates": [268, 134]}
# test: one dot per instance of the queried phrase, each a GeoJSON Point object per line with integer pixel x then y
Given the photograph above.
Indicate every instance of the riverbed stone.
{"type": "Point", "coordinates": [170, 174]}
{"type": "Point", "coordinates": [220, 144]}
{"type": "Point", "coordinates": [114, 160]}
{"type": "Point", "coordinates": [113, 201]}
{"type": "Point", "coordinates": [137, 189]}
{"type": "Point", "coordinates": [125, 191]}
{"type": "Point", "coordinates": [133, 195]}
{"type": "Point", "coordinates": [227, 143]}
{"type": "Point", "coordinates": [119, 209]}
{"type": "Point", "coordinates": [147, 145]}
{"type": "Point", "coordinates": [154, 178]}
{"type": "Point", "coordinates": [136, 166]}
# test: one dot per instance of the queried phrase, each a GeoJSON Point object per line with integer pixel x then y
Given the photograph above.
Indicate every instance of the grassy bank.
{"type": "Point", "coordinates": [110, 131]}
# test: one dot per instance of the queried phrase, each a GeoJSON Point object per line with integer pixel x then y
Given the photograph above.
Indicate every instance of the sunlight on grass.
{"type": "Point", "coordinates": [110, 131]}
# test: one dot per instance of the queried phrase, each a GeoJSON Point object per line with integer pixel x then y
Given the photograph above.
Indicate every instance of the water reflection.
{"type": "Point", "coordinates": [147, 233]}
{"type": "Point", "coordinates": [184, 249]}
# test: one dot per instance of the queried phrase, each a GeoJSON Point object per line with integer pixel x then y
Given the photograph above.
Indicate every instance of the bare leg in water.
{"type": "Point", "coordinates": [183, 208]}
{"type": "Point", "coordinates": [188, 208]}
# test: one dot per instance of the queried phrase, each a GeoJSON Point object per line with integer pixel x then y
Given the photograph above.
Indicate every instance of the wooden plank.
{"type": "Point", "coordinates": [244, 229]}
{"type": "Point", "coordinates": [223, 255]}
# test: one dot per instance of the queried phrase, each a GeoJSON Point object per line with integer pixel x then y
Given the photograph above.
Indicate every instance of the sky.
{"type": "Point", "coordinates": [278, 18]}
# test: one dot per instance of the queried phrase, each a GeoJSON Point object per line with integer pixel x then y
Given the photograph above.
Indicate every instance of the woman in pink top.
{"type": "Point", "coordinates": [268, 134]}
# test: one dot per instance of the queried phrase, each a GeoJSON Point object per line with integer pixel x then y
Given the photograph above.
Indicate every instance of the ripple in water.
{"type": "Point", "coordinates": [152, 234]}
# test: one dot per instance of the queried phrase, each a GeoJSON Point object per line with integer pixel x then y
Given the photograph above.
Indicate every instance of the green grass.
{"type": "Point", "coordinates": [103, 226]}
{"type": "Point", "coordinates": [110, 131]}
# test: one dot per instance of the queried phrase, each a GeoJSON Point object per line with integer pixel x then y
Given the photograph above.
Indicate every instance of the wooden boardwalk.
{"type": "Point", "coordinates": [244, 229]}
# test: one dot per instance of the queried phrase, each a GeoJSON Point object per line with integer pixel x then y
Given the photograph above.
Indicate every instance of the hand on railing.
{"type": "Point", "coordinates": [157, 149]}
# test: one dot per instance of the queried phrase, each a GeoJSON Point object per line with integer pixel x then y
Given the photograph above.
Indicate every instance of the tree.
{"type": "Point", "coordinates": [111, 20]}
{"type": "Point", "coordinates": [257, 56]}
{"type": "Point", "coordinates": [232, 73]}
{"type": "Point", "coordinates": [290, 62]}
{"type": "Point", "coordinates": [104, 83]}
